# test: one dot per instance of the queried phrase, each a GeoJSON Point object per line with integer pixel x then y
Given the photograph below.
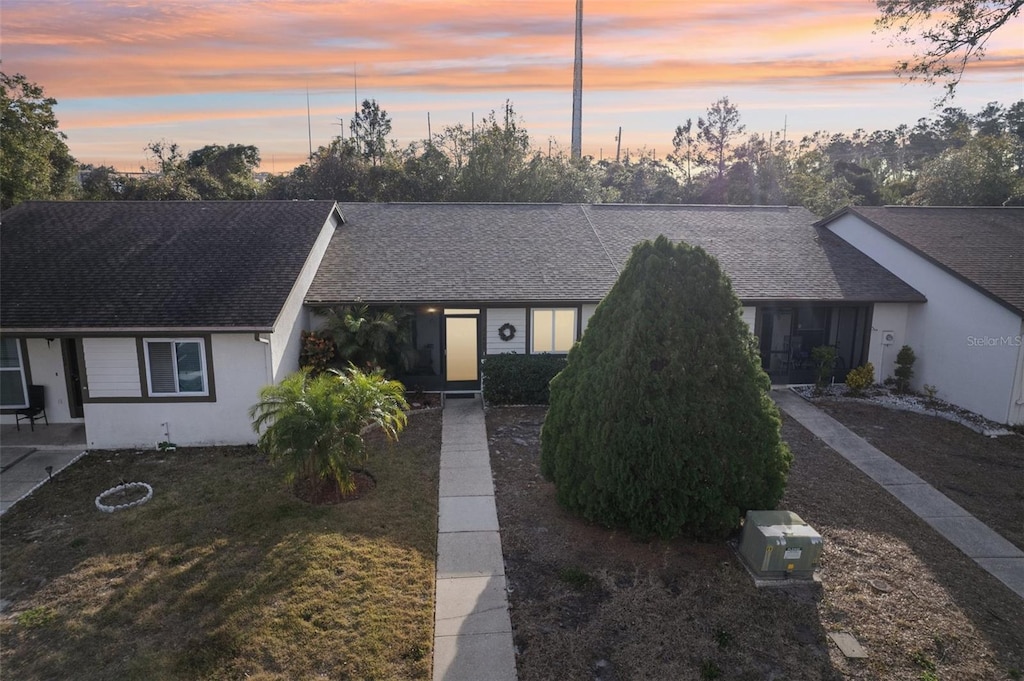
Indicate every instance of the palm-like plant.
{"type": "Point", "coordinates": [312, 425]}
{"type": "Point", "coordinates": [367, 338]}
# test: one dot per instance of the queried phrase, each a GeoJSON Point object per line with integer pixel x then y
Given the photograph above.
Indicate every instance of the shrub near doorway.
{"type": "Point", "coordinates": [661, 421]}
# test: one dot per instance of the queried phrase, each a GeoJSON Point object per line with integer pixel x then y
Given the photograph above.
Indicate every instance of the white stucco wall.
{"type": "Point", "coordinates": [294, 318]}
{"type": "Point", "coordinates": [1017, 403]}
{"type": "Point", "coordinates": [239, 370]}
{"type": "Point", "coordinates": [496, 317]}
{"type": "Point", "coordinates": [967, 345]}
{"type": "Point", "coordinates": [887, 318]}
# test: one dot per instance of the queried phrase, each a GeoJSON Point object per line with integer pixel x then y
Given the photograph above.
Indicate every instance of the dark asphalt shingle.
{"type": "Point", "coordinates": [981, 245]}
{"type": "Point", "coordinates": [438, 252]}
{"type": "Point", "coordinates": [527, 252]}
{"type": "Point", "coordinates": [189, 265]}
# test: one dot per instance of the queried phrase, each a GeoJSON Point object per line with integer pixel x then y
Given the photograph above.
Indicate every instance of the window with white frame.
{"type": "Point", "coordinates": [13, 393]}
{"type": "Point", "coordinates": [553, 329]}
{"type": "Point", "coordinates": [176, 366]}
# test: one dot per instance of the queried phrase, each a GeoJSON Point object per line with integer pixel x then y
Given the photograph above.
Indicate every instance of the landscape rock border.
{"type": "Point", "coordinates": [908, 402]}
{"type": "Point", "coordinates": [121, 488]}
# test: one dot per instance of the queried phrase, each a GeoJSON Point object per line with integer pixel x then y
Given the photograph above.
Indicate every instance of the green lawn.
{"type": "Point", "coordinates": [223, 574]}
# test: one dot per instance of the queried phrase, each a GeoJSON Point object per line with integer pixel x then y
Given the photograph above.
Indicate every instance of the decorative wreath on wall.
{"type": "Point", "coordinates": [506, 332]}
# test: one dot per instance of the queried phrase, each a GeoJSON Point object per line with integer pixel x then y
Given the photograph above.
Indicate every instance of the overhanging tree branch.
{"type": "Point", "coordinates": [951, 33]}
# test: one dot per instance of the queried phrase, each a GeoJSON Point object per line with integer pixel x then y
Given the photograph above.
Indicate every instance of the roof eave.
{"type": "Point", "coordinates": [914, 249]}
{"type": "Point", "coordinates": [66, 331]}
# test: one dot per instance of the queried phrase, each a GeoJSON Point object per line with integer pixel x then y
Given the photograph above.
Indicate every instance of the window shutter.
{"type": "Point", "coordinates": [161, 368]}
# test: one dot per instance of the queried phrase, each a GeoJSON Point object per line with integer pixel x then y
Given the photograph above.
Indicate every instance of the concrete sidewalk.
{"type": "Point", "coordinates": [472, 628]}
{"type": "Point", "coordinates": [988, 549]}
{"type": "Point", "coordinates": [23, 469]}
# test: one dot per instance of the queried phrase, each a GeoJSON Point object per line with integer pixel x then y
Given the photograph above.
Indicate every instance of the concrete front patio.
{"type": "Point", "coordinates": [28, 458]}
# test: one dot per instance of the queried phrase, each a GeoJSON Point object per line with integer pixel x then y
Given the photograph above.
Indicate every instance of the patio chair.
{"type": "Point", "coordinates": [36, 408]}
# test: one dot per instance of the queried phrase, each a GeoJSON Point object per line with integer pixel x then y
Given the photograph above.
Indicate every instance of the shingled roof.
{"type": "Point", "coordinates": [982, 246]}
{"type": "Point", "coordinates": [771, 253]}
{"type": "Point", "coordinates": [166, 265]}
{"type": "Point", "coordinates": [462, 252]}
{"type": "Point", "coordinates": [516, 253]}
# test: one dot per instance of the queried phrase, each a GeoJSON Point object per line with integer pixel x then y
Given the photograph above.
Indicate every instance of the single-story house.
{"type": "Point", "coordinates": [470, 271]}
{"type": "Point", "coordinates": [154, 321]}
{"type": "Point", "coordinates": [969, 263]}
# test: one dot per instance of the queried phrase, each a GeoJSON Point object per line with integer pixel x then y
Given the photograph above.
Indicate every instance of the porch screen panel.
{"type": "Point", "coordinates": [12, 374]}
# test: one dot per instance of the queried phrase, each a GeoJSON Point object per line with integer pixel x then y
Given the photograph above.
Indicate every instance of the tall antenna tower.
{"type": "Point", "coordinates": [309, 125]}
{"type": "Point", "coordinates": [577, 86]}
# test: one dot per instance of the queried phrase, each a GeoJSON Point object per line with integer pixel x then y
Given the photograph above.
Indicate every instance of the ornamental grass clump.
{"type": "Point", "coordinates": [312, 425]}
{"type": "Point", "coordinates": [661, 421]}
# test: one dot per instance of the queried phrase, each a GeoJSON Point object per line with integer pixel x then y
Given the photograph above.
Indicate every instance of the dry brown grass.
{"type": "Point", "coordinates": [224, 574]}
{"type": "Point", "coordinates": [588, 602]}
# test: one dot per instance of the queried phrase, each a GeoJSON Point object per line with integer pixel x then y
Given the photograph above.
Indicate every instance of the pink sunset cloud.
{"type": "Point", "coordinates": [105, 60]}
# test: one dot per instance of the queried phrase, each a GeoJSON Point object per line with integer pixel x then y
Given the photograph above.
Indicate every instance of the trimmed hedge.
{"type": "Point", "coordinates": [520, 379]}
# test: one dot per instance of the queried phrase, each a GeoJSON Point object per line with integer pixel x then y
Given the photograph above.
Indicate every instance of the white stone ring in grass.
{"type": "Point", "coordinates": [124, 488]}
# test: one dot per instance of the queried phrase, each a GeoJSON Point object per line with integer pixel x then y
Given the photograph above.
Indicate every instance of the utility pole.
{"type": "Point", "coordinates": [577, 86]}
{"type": "Point", "coordinates": [430, 136]}
{"type": "Point", "coordinates": [356, 137]}
{"type": "Point", "coordinates": [309, 125]}
{"type": "Point", "coordinates": [618, 144]}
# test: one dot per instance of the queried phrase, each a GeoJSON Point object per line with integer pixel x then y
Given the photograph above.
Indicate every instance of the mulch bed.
{"type": "Point", "coordinates": [592, 603]}
{"type": "Point", "coordinates": [327, 492]}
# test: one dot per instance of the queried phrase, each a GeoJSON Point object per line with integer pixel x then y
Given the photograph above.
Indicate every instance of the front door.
{"type": "Point", "coordinates": [461, 349]}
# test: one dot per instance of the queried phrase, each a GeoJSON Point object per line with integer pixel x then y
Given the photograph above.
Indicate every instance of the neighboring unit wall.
{"type": "Point", "coordinates": [238, 372]}
{"type": "Point", "coordinates": [294, 318]}
{"type": "Point", "coordinates": [967, 345]}
{"type": "Point", "coordinates": [496, 317]}
{"type": "Point", "coordinates": [888, 335]}
{"type": "Point", "coordinates": [1017, 403]}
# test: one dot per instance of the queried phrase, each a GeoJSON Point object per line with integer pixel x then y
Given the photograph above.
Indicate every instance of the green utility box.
{"type": "Point", "coordinates": [779, 545]}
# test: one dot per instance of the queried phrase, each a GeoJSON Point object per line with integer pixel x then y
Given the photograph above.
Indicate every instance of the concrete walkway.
{"type": "Point", "coordinates": [26, 453]}
{"type": "Point", "coordinates": [988, 549]}
{"type": "Point", "coordinates": [472, 629]}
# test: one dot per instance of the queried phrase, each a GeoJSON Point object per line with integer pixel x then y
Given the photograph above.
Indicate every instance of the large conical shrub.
{"type": "Point", "coordinates": [661, 421]}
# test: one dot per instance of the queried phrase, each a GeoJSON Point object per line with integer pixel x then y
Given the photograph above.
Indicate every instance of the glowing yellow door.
{"type": "Point", "coordinates": [461, 349]}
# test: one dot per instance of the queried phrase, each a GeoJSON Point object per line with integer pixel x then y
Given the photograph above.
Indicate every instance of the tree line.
{"type": "Point", "coordinates": [950, 158]}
